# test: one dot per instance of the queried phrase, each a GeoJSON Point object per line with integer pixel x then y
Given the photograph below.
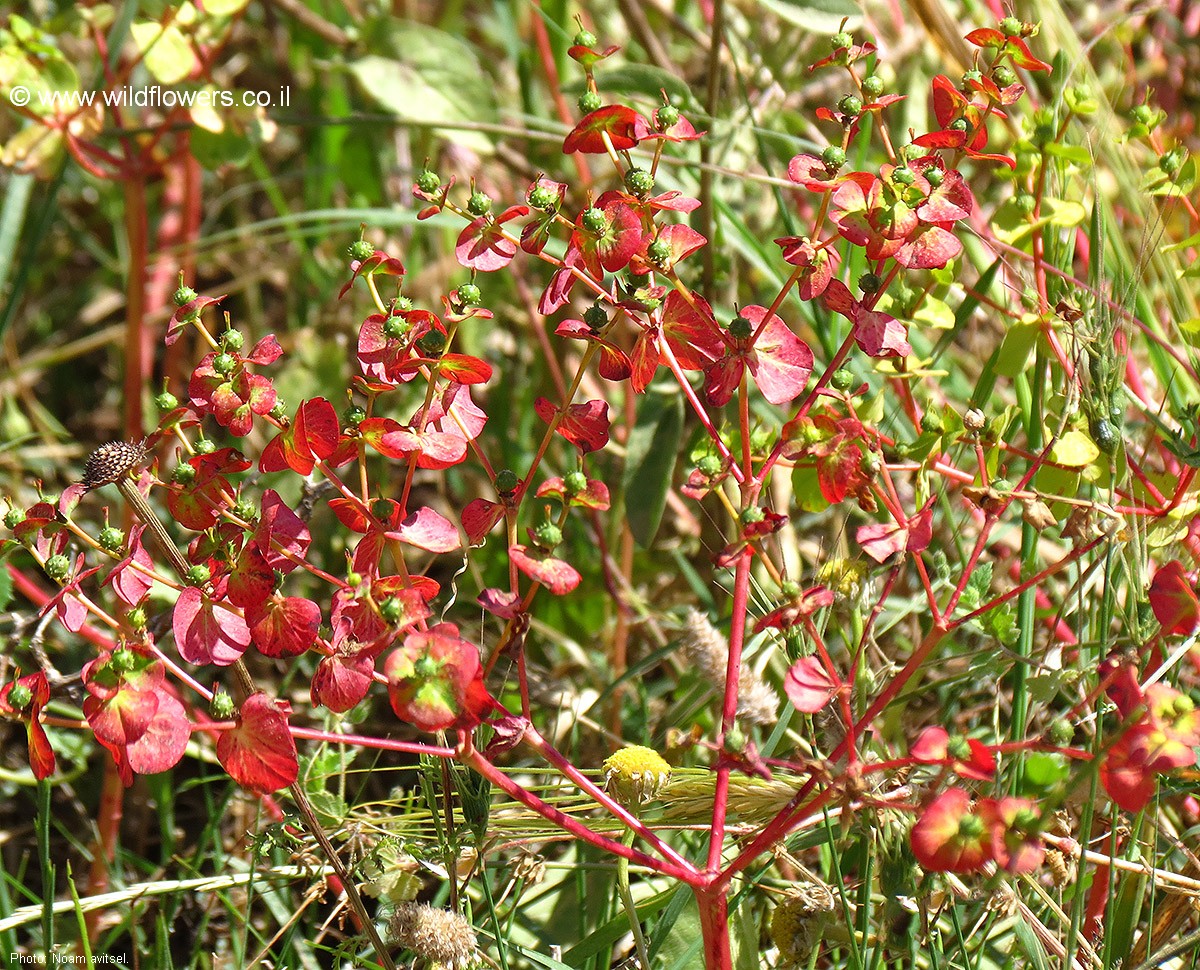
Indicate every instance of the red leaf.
{"type": "Point", "coordinates": [1126, 775]}
{"type": "Point", "coordinates": [557, 576]}
{"type": "Point", "coordinates": [164, 741]}
{"type": "Point", "coordinates": [879, 334]}
{"type": "Point", "coordinates": [781, 362]}
{"type": "Point", "coordinates": [435, 680]}
{"type": "Point", "coordinates": [284, 626]}
{"type": "Point", "coordinates": [1014, 847]}
{"type": "Point", "coordinates": [479, 518]}
{"type": "Point", "coordinates": [808, 685]}
{"type": "Point", "coordinates": [1174, 600]}
{"type": "Point", "coordinates": [584, 425]}
{"type": "Point", "coordinates": [132, 582]}
{"type": "Point", "coordinates": [279, 531]}
{"type": "Point", "coordinates": [616, 120]}
{"type": "Point", "coordinates": [206, 632]}
{"type": "Point", "coordinates": [940, 841]}
{"type": "Point", "coordinates": [342, 680]}
{"type": "Point", "coordinates": [463, 369]}
{"type": "Point", "coordinates": [427, 529]}
{"type": "Point", "coordinates": [311, 437]}
{"type": "Point", "coordinates": [259, 752]}
{"type": "Point", "coordinates": [691, 331]}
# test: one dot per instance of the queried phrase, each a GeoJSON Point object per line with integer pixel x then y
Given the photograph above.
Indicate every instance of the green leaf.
{"type": "Point", "coordinates": [425, 74]}
{"type": "Point", "coordinates": [1032, 946]}
{"type": "Point", "coordinates": [819, 16]}
{"type": "Point", "coordinates": [1074, 449]}
{"type": "Point", "coordinates": [165, 51]}
{"type": "Point", "coordinates": [1014, 352]}
{"type": "Point", "coordinates": [6, 588]}
{"type": "Point", "coordinates": [1045, 769]}
{"type": "Point", "coordinates": [934, 313]}
{"type": "Point", "coordinates": [1075, 154]}
{"type": "Point", "coordinates": [644, 79]}
{"type": "Point", "coordinates": [650, 462]}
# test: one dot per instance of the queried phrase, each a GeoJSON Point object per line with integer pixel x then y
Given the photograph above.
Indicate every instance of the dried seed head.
{"type": "Point", "coordinates": [438, 935]}
{"type": "Point", "coordinates": [799, 921]}
{"type": "Point", "coordinates": [708, 650]}
{"type": "Point", "coordinates": [109, 462]}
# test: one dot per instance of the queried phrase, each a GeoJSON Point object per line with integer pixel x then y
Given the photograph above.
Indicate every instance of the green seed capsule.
{"type": "Point", "coordinates": [1105, 436]}
{"type": "Point", "coordinates": [360, 249]}
{"type": "Point", "coordinates": [589, 101]}
{"type": "Point", "coordinates": [111, 539]}
{"type": "Point", "coordinates": [58, 568]}
{"type": "Point", "coordinates": [428, 182]}
{"type": "Point", "coordinates": [507, 481]}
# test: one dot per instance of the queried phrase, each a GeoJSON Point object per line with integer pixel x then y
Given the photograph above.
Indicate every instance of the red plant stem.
{"type": "Point", "coordinates": [109, 813]}
{"type": "Point", "coordinates": [473, 759]}
{"type": "Point", "coordinates": [714, 927]}
{"type": "Point", "coordinates": [737, 635]}
{"type": "Point", "coordinates": [585, 784]}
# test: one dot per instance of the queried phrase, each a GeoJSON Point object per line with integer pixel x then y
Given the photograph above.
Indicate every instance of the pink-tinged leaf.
{"type": "Point", "coordinates": [838, 298]}
{"type": "Point", "coordinates": [123, 717]}
{"type": "Point", "coordinates": [162, 745]}
{"type": "Point", "coordinates": [584, 425]}
{"type": "Point", "coordinates": [645, 359]}
{"type": "Point", "coordinates": [615, 120]}
{"type": "Point", "coordinates": [311, 437]}
{"type": "Point", "coordinates": [691, 331]}
{"type": "Point", "coordinates": [342, 680]}
{"type": "Point", "coordinates": [1174, 600]}
{"type": "Point", "coordinates": [508, 732]}
{"type": "Point", "coordinates": [940, 841]}
{"type": "Point", "coordinates": [483, 244]}
{"type": "Point", "coordinates": [613, 364]}
{"type": "Point", "coordinates": [948, 202]}
{"type": "Point", "coordinates": [280, 531]}
{"type": "Point", "coordinates": [41, 755]}
{"type": "Point", "coordinates": [932, 745]}
{"type": "Point", "coordinates": [259, 753]}
{"type": "Point", "coordinates": [810, 171]}
{"type": "Point", "coordinates": [439, 449]}
{"type": "Point", "coordinates": [479, 518]}
{"type": "Point", "coordinates": [878, 334]}
{"type": "Point", "coordinates": [930, 247]}
{"type": "Point", "coordinates": [681, 241]}
{"type": "Point", "coordinates": [463, 369]}
{"type": "Point", "coordinates": [427, 529]}
{"type": "Point", "coordinates": [557, 291]}
{"type": "Point", "coordinates": [588, 56]}
{"type": "Point", "coordinates": [284, 626]}
{"type": "Point", "coordinates": [881, 540]}
{"type": "Point", "coordinates": [1015, 848]}
{"type": "Point", "coordinates": [812, 599]}
{"type": "Point", "coordinates": [1126, 775]}
{"type": "Point", "coordinates": [251, 580]}
{"type": "Point", "coordinates": [808, 685]}
{"type": "Point", "coordinates": [130, 577]}
{"type": "Point", "coordinates": [721, 379]}
{"type": "Point", "coordinates": [501, 603]}
{"type": "Point", "coordinates": [970, 759]}
{"type": "Point", "coordinates": [206, 632]}
{"type": "Point", "coordinates": [185, 314]}
{"type": "Point", "coordinates": [435, 680]}
{"type": "Point", "coordinates": [557, 576]}
{"type": "Point", "coordinates": [781, 362]}
{"type": "Point", "coordinates": [594, 496]}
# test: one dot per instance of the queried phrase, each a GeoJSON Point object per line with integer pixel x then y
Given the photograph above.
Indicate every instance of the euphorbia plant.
{"type": "Point", "coordinates": [805, 423]}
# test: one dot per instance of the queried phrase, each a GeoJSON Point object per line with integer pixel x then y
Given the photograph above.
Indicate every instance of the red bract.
{"type": "Point", "coordinates": [840, 447]}
{"type": "Point", "coordinates": [968, 757]}
{"type": "Point", "coordinates": [186, 314]}
{"type": "Point", "coordinates": [584, 425]}
{"type": "Point", "coordinates": [41, 755]}
{"type": "Point", "coordinates": [817, 264]}
{"type": "Point", "coordinates": [233, 398]}
{"type": "Point", "coordinates": [950, 836]}
{"type": "Point", "coordinates": [680, 130]}
{"type": "Point", "coordinates": [1174, 600]}
{"type": "Point", "coordinates": [691, 332]}
{"type": "Point", "coordinates": [198, 504]}
{"type": "Point", "coordinates": [311, 437]}
{"type": "Point", "coordinates": [378, 262]}
{"type": "Point", "coordinates": [590, 56]}
{"type": "Point", "coordinates": [557, 576]}
{"type": "Point", "coordinates": [594, 496]}
{"type": "Point", "coordinates": [479, 517]}
{"type": "Point", "coordinates": [427, 529]}
{"type": "Point", "coordinates": [613, 364]}
{"type": "Point", "coordinates": [847, 55]}
{"type": "Point", "coordinates": [435, 680]}
{"type": "Point", "coordinates": [70, 609]}
{"type": "Point", "coordinates": [385, 344]}
{"type": "Point", "coordinates": [1007, 45]}
{"type": "Point", "coordinates": [259, 752]}
{"type": "Point", "coordinates": [779, 361]}
{"type": "Point", "coordinates": [809, 686]}
{"type": "Point", "coordinates": [611, 249]}
{"type": "Point", "coordinates": [130, 578]}
{"type": "Point", "coordinates": [433, 449]}
{"type": "Point", "coordinates": [881, 540]}
{"type": "Point", "coordinates": [142, 725]}
{"type": "Point", "coordinates": [616, 121]}
{"type": "Point", "coordinates": [962, 123]}
{"type": "Point", "coordinates": [681, 241]}
{"type": "Point", "coordinates": [1014, 823]}
{"type": "Point", "coordinates": [207, 632]}
{"type": "Point", "coordinates": [281, 534]}
{"type": "Point", "coordinates": [283, 626]}
{"type": "Point", "coordinates": [484, 245]}
{"type": "Point", "coordinates": [806, 604]}
{"type": "Point", "coordinates": [813, 173]}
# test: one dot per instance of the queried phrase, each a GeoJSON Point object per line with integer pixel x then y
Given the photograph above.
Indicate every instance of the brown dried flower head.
{"type": "Point", "coordinates": [110, 461]}
{"type": "Point", "coordinates": [440, 936]}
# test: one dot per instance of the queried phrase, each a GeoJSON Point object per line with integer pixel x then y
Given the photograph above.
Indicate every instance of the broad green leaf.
{"type": "Point", "coordinates": [1032, 946]}
{"type": "Point", "coordinates": [1045, 769]}
{"type": "Point", "coordinates": [1074, 449]}
{"type": "Point", "coordinates": [1014, 351]}
{"type": "Point", "coordinates": [650, 462]}
{"type": "Point", "coordinates": [934, 313]}
{"type": "Point", "coordinates": [1075, 154]}
{"type": "Point", "coordinates": [165, 51]}
{"type": "Point", "coordinates": [426, 74]}
{"type": "Point", "coordinates": [6, 588]}
{"type": "Point", "coordinates": [646, 79]}
{"type": "Point", "coordinates": [820, 16]}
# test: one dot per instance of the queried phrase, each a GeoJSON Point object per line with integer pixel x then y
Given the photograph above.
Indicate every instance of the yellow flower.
{"type": "Point", "coordinates": [635, 774]}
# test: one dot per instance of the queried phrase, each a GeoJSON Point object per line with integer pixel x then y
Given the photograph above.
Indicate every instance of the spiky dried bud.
{"type": "Point", "coordinates": [708, 651]}
{"type": "Point", "coordinates": [109, 462]}
{"type": "Point", "coordinates": [438, 935]}
{"type": "Point", "coordinates": [635, 774]}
